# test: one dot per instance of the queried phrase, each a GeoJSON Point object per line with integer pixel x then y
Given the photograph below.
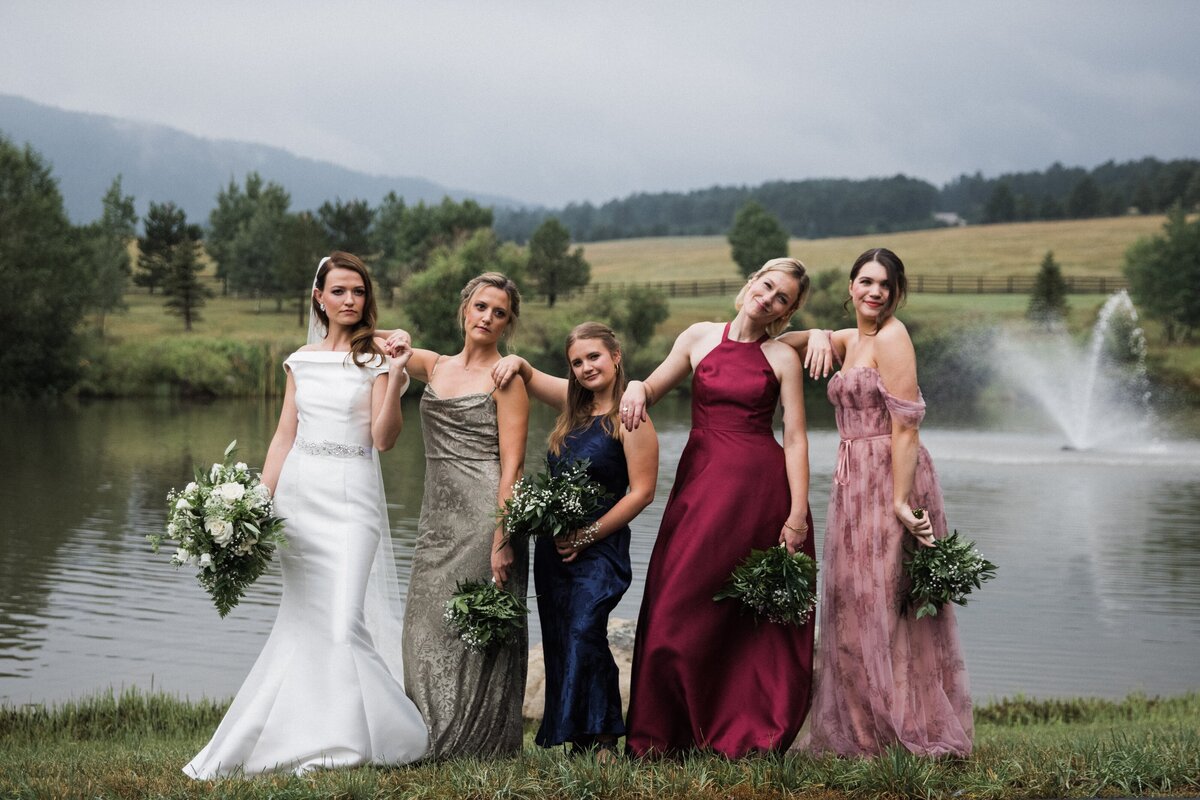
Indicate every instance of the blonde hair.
{"type": "Point", "coordinates": [788, 266]}
{"type": "Point", "coordinates": [580, 401]}
{"type": "Point", "coordinates": [497, 281]}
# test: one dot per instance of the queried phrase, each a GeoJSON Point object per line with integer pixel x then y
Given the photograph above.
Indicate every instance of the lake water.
{"type": "Point", "coordinates": [1098, 588]}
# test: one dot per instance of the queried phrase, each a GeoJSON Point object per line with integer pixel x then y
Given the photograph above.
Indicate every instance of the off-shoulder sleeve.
{"type": "Point", "coordinates": [908, 412]}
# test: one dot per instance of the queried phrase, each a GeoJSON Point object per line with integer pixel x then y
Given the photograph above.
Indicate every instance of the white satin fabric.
{"type": "Point", "coordinates": [327, 689]}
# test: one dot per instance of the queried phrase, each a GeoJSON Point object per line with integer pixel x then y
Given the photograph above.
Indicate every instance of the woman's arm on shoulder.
{"type": "Point", "coordinates": [285, 436]}
{"type": "Point", "coordinates": [545, 388]}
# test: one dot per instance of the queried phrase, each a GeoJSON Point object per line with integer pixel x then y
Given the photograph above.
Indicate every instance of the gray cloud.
{"type": "Point", "coordinates": [554, 102]}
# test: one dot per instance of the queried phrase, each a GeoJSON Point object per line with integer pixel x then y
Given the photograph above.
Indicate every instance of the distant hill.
{"type": "Point", "coordinates": [86, 151]}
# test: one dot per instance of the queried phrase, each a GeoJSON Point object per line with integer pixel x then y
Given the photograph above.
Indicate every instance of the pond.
{"type": "Point", "coordinates": [1097, 594]}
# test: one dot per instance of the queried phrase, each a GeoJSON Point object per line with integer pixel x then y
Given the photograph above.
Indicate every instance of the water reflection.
{"type": "Point", "coordinates": [1098, 590]}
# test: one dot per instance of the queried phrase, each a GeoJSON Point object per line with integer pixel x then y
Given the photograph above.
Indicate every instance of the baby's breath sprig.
{"type": "Point", "coordinates": [776, 586]}
{"type": "Point", "coordinates": [552, 503]}
{"type": "Point", "coordinates": [483, 614]}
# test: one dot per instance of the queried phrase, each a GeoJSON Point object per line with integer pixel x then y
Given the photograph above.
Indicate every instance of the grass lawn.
{"type": "Point", "coordinates": [135, 746]}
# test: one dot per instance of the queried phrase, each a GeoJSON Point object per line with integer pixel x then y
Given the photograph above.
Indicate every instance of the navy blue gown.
{"type": "Point", "coordinates": [583, 697]}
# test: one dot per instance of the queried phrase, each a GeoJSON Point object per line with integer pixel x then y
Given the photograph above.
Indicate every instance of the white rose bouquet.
{"type": "Point", "coordinates": [223, 524]}
{"type": "Point", "coordinates": [552, 504]}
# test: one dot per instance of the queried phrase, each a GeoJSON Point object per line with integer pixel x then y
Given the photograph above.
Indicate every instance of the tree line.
{"type": "Point", "coordinates": [262, 248]}
{"type": "Point", "coordinates": [821, 208]}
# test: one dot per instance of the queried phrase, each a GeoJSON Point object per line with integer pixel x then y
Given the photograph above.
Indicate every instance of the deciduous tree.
{"type": "Point", "coordinates": [1164, 275]}
{"type": "Point", "coordinates": [756, 237]}
{"type": "Point", "coordinates": [46, 282]}
{"type": "Point", "coordinates": [106, 250]}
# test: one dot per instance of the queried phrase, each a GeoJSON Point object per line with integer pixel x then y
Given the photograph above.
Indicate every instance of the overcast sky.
{"type": "Point", "coordinates": [555, 101]}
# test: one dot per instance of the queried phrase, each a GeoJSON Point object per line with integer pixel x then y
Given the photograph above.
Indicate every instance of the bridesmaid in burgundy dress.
{"type": "Point", "coordinates": [884, 677]}
{"type": "Point", "coordinates": [706, 675]}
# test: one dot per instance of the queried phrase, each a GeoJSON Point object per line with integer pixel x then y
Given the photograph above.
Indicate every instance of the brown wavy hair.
{"type": "Point", "coordinates": [580, 401]}
{"type": "Point", "coordinates": [363, 349]}
{"type": "Point", "coordinates": [897, 283]}
{"type": "Point", "coordinates": [788, 266]}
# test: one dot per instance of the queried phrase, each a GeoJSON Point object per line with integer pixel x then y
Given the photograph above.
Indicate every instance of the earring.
{"type": "Point", "coordinates": [322, 307]}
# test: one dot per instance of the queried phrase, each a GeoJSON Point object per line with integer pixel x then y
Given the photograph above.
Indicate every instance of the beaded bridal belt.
{"type": "Point", "coordinates": [328, 448]}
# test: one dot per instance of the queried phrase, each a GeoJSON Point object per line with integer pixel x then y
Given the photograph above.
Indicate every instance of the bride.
{"type": "Point", "coordinates": [326, 690]}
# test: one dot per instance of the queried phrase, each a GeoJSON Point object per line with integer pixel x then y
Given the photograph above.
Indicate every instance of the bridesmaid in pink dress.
{"type": "Point", "coordinates": [883, 677]}
{"type": "Point", "coordinates": [705, 675]}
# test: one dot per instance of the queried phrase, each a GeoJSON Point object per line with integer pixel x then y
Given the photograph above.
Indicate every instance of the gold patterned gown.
{"type": "Point", "coordinates": [470, 701]}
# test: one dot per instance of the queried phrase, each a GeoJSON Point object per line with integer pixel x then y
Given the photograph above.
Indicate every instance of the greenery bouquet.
{"type": "Point", "coordinates": [774, 585]}
{"type": "Point", "coordinates": [483, 614]}
{"type": "Point", "coordinates": [551, 504]}
{"type": "Point", "coordinates": [224, 525]}
{"type": "Point", "coordinates": [944, 573]}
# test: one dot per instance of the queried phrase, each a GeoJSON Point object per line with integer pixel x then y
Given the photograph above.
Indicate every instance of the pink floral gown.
{"type": "Point", "coordinates": [883, 677]}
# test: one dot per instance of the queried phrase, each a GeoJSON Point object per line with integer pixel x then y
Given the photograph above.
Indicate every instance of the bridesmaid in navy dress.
{"type": "Point", "coordinates": [581, 576]}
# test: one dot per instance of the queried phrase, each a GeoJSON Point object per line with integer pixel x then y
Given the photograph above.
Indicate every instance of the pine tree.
{"type": "Point", "coordinates": [1048, 301]}
{"type": "Point", "coordinates": [181, 283]}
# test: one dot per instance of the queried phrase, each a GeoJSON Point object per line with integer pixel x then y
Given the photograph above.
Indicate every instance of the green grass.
{"type": "Point", "coordinates": [134, 745]}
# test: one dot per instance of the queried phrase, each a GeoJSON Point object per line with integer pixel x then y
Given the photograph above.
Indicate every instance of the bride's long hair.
{"type": "Point", "coordinates": [362, 335]}
{"type": "Point", "coordinates": [580, 401]}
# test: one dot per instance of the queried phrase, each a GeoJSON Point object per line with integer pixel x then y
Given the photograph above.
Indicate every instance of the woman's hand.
{"type": "Point", "coordinates": [506, 369]}
{"type": "Point", "coordinates": [502, 561]}
{"type": "Point", "coordinates": [818, 356]}
{"type": "Point", "coordinates": [633, 405]}
{"type": "Point", "coordinates": [794, 532]}
{"type": "Point", "coordinates": [919, 526]}
{"type": "Point", "coordinates": [570, 545]}
{"type": "Point", "coordinates": [399, 352]}
{"type": "Point", "coordinates": [397, 342]}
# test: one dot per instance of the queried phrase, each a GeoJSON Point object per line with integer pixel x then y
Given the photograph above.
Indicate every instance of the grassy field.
{"type": "Point", "coordinates": [1081, 247]}
{"type": "Point", "coordinates": [135, 745]}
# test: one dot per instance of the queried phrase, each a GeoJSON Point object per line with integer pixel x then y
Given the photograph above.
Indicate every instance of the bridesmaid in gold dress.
{"type": "Point", "coordinates": [474, 452]}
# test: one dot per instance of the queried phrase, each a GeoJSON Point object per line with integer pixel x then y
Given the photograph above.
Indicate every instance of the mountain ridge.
{"type": "Point", "coordinates": [85, 151]}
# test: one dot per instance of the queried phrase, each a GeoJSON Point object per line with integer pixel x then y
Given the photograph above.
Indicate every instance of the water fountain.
{"type": "Point", "coordinates": [1098, 394]}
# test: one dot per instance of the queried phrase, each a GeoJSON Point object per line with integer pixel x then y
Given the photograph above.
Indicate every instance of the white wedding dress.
{"type": "Point", "coordinates": [327, 689]}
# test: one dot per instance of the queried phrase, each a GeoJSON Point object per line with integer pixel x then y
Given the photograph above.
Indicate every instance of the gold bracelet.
{"type": "Point", "coordinates": [796, 530]}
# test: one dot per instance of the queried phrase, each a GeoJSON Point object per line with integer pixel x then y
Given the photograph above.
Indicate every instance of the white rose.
{"type": "Point", "coordinates": [241, 465]}
{"type": "Point", "coordinates": [190, 488]}
{"type": "Point", "coordinates": [206, 561]}
{"type": "Point", "coordinates": [181, 556]}
{"type": "Point", "coordinates": [221, 530]}
{"type": "Point", "coordinates": [230, 492]}
{"type": "Point", "coordinates": [182, 504]}
{"type": "Point", "coordinates": [214, 472]}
